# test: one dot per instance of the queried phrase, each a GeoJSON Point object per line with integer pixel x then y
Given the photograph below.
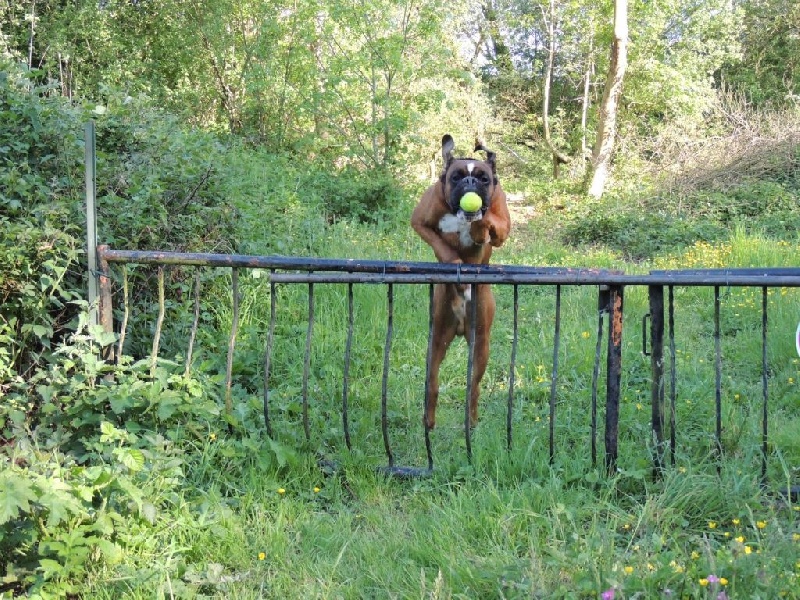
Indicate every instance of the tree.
{"type": "Point", "coordinates": [607, 118]}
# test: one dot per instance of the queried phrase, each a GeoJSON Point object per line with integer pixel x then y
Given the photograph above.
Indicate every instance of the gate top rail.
{"type": "Point", "coordinates": [379, 271]}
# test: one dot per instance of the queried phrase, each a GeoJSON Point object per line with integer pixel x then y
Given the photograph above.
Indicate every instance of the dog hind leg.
{"type": "Point", "coordinates": [444, 331]}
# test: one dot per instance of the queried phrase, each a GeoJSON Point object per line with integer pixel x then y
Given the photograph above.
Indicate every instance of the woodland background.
{"type": "Point", "coordinates": [309, 129]}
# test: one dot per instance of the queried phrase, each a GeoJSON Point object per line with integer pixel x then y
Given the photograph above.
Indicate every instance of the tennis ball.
{"type": "Point", "coordinates": [471, 202]}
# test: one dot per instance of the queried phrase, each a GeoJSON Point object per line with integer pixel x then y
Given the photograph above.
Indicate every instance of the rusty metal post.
{"type": "Point", "coordinates": [105, 312]}
{"type": "Point", "coordinates": [613, 375]}
{"type": "Point", "coordinates": [656, 293]}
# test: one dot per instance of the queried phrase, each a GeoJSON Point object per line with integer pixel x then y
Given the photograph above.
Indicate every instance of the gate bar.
{"type": "Point", "coordinates": [307, 359]}
{"type": "Point", "coordinates": [673, 375]}
{"type": "Point", "coordinates": [427, 376]}
{"type": "Point", "coordinates": [764, 388]}
{"type": "Point", "coordinates": [717, 377]}
{"type": "Point", "coordinates": [231, 340]}
{"type": "Point", "coordinates": [268, 354]}
{"type": "Point", "coordinates": [473, 326]}
{"type": "Point", "coordinates": [428, 272]}
{"type": "Point", "coordinates": [554, 375]}
{"type": "Point", "coordinates": [346, 371]}
{"type": "Point", "coordinates": [385, 379]}
{"type": "Point", "coordinates": [511, 374]}
{"type": "Point", "coordinates": [602, 310]}
{"type": "Point", "coordinates": [614, 374]}
{"type": "Point", "coordinates": [656, 294]}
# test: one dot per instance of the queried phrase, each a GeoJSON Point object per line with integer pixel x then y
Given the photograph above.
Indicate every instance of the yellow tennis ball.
{"type": "Point", "coordinates": [471, 202]}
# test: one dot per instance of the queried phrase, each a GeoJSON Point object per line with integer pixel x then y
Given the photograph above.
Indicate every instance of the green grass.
{"type": "Point", "coordinates": [264, 520]}
{"type": "Point", "coordinates": [225, 512]}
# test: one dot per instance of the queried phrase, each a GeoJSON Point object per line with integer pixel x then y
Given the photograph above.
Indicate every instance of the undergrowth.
{"type": "Point", "coordinates": [128, 479]}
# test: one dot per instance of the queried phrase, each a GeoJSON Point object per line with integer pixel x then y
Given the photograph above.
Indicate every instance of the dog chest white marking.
{"type": "Point", "coordinates": [457, 224]}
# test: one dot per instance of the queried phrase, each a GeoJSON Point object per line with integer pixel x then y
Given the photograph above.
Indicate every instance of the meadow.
{"type": "Point", "coordinates": [121, 480]}
{"type": "Point", "coordinates": [252, 517]}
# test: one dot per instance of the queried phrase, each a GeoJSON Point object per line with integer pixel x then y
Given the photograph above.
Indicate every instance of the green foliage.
{"type": "Point", "coordinates": [128, 480]}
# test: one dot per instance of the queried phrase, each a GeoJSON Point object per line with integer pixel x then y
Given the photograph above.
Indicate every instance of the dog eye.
{"type": "Point", "coordinates": [457, 176]}
{"type": "Point", "coordinates": [484, 179]}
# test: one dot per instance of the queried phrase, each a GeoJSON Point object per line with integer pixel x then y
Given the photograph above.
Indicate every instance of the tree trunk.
{"type": "Point", "coordinates": [607, 121]}
{"type": "Point", "coordinates": [587, 86]}
{"type": "Point", "coordinates": [559, 158]}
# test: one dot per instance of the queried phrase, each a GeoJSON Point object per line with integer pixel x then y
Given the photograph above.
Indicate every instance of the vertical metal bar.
{"type": "Point", "coordinates": [346, 373]}
{"type": "Point", "coordinates": [307, 360]}
{"type": "Point", "coordinates": [764, 387]}
{"type": "Point", "coordinates": [513, 366]}
{"type": "Point", "coordinates": [614, 375]}
{"type": "Point", "coordinates": [473, 326]}
{"type": "Point", "coordinates": [718, 377]}
{"type": "Point", "coordinates": [554, 376]}
{"type": "Point", "coordinates": [602, 310]}
{"type": "Point", "coordinates": [268, 354]}
{"type": "Point", "coordinates": [232, 340]}
{"type": "Point", "coordinates": [126, 311]}
{"type": "Point", "coordinates": [656, 295]}
{"type": "Point", "coordinates": [159, 322]}
{"type": "Point", "coordinates": [673, 377]}
{"type": "Point", "coordinates": [195, 324]}
{"type": "Point", "coordinates": [385, 380]}
{"type": "Point", "coordinates": [90, 161]}
{"type": "Point", "coordinates": [427, 375]}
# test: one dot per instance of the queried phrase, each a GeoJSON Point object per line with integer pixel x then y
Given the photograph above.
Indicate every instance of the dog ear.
{"type": "Point", "coordinates": [490, 157]}
{"type": "Point", "coordinates": [447, 153]}
{"type": "Point", "coordinates": [447, 148]}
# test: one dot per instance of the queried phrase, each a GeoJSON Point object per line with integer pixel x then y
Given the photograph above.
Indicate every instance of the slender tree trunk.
{"type": "Point", "coordinates": [30, 38]}
{"type": "Point", "coordinates": [587, 87]}
{"type": "Point", "coordinates": [607, 121]}
{"type": "Point", "coordinates": [558, 157]}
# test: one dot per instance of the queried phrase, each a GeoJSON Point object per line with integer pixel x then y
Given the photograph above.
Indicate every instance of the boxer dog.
{"type": "Point", "coordinates": [457, 237]}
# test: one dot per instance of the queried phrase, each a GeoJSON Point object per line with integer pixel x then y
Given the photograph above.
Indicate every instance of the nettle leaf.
{"type": "Point", "coordinates": [16, 493]}
{"type": "Point", "coordinates": [132, 458]}
{"type": "Point", "coordinates": [283, 454]}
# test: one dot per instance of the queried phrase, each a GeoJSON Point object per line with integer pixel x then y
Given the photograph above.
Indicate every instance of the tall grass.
{"type": "Point", "coordinates": [267, 519]}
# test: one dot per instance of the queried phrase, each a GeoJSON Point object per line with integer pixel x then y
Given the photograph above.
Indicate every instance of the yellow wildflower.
{"type": "Point", "coordinates": [262, 555]}
{"type": "Point", "coordinates": [628, 570]}
{"type": "Point", "coordinates": [723, 581]}
{"type": "Point", "coordinates": [740, 539]}
{"type": "Point", "coordinates": [748, 550]}
{"type": "Point", "coordinates": [316, 490]}
{"type": "Point", "coordinates": [703, 582]}
{"type": "Point", "coordinates": [695, 554]}
{"type": "Point", "coordinates": [761, 524]}
{"type": "Point", "coordinates": [281, 491]}
{"type": "Point", "coordinates": [712, 524]}
{"type": "Point", "coordinates": [736, 521]}
{"type": "Point", "coordinates": [212, 436]}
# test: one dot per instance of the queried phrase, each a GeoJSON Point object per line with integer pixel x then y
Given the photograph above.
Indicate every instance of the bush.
{"type": "Point", "coordinates": [634, 233]}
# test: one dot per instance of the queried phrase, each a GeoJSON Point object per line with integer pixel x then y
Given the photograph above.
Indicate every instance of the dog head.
{"type": "Point", "coordinates": [462, 175]}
